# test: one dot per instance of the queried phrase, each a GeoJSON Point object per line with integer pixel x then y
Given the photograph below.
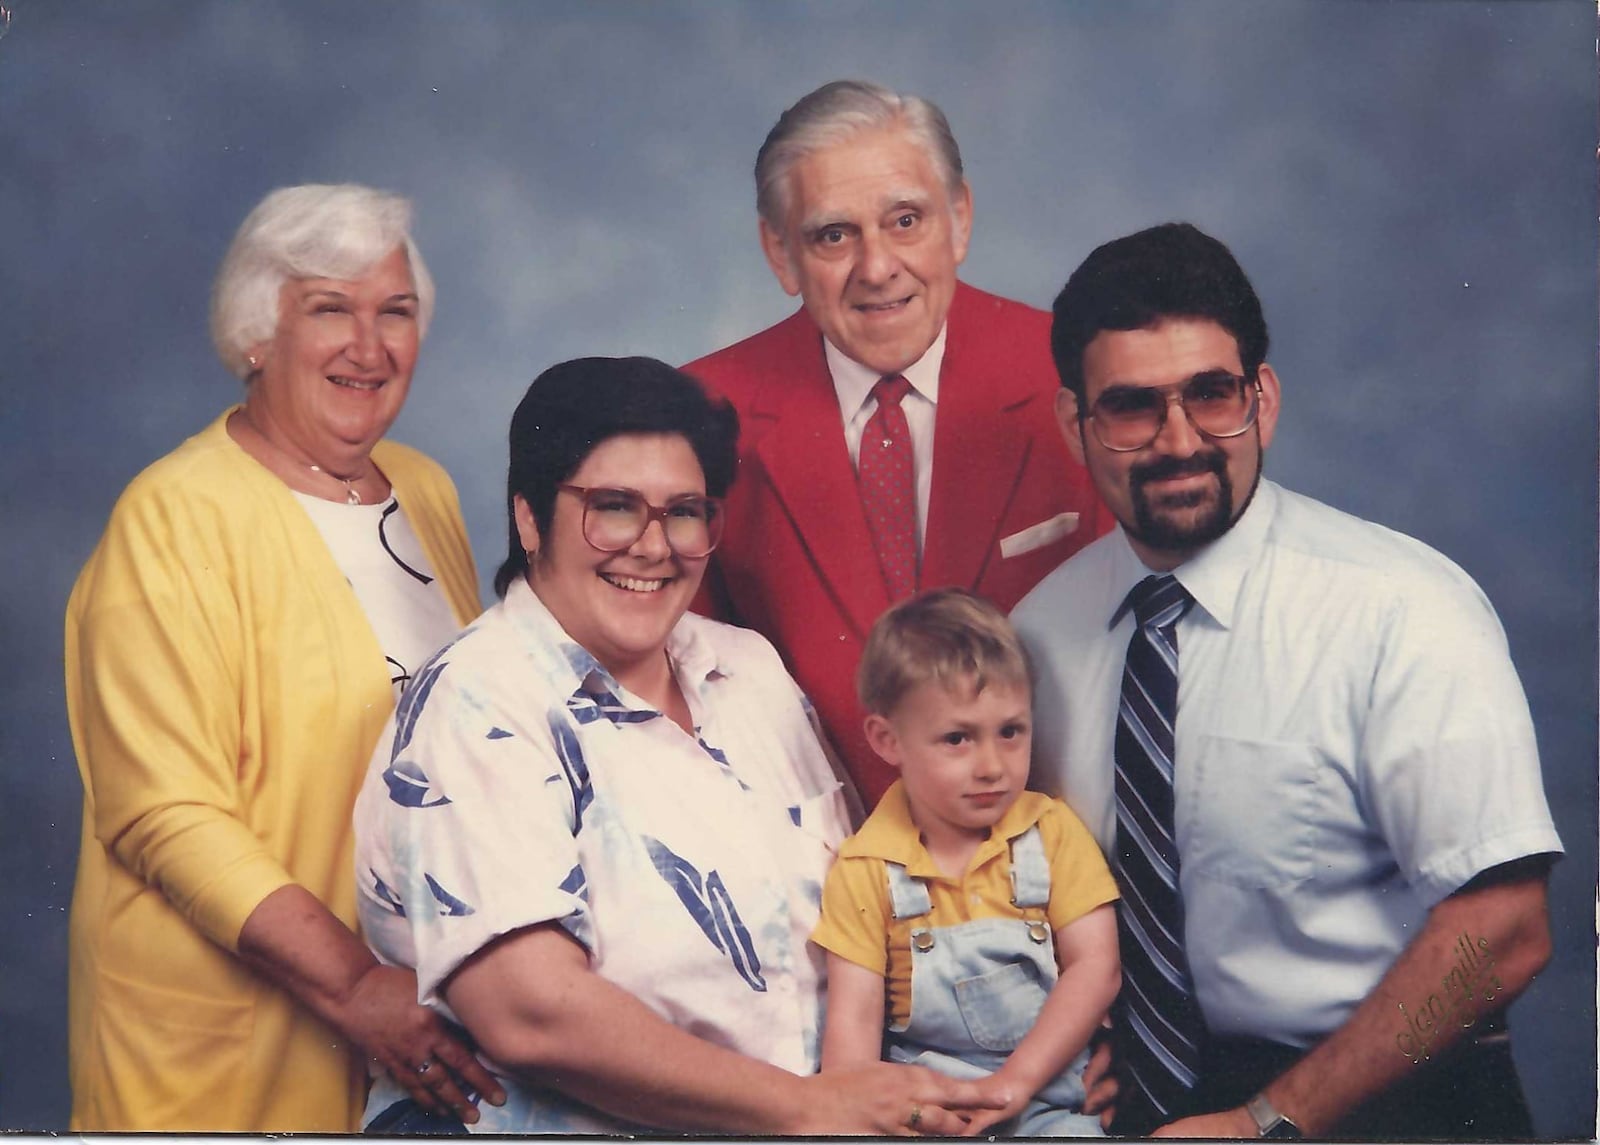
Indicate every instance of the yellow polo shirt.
{"type": "Point", "coordinates": [858, 923]}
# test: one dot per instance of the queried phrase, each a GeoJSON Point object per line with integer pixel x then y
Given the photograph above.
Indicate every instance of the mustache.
{"type": "Point", "coordinates": [1166, 468]}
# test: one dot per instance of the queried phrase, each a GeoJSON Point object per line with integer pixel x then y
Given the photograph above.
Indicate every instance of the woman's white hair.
{"type": "Point", "coordinates": [315, 230]}
{"type": "Point", "coordinates": [833, 113]}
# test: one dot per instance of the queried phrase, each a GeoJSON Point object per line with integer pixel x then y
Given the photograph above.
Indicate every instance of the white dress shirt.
{"type": "Point", "coordinates": [1352, 746]}
{"type": "Point", "coordinates": [519, 783]}
{"type": "Point", "coordinates": [852, 384]}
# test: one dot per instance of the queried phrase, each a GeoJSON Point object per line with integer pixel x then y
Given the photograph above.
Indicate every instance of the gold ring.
{"type": "Point", "coordinates": [915, 1119]}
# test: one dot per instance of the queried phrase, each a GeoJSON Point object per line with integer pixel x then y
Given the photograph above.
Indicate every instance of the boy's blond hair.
{"type": "Point", "coordinates": [945, 635]}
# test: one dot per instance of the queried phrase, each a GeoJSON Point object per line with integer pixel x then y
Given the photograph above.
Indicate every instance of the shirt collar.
{"type": "Point", "coordinates": [694, 657]}
{"type": "Point", "coordinates": [573, 669]}
{"type": "Point", "coordinates": [853, 382]}
{"type": "Point", "coordinates": [1213, 576]}
{"type": "Point", "coordinates": [890, 835]}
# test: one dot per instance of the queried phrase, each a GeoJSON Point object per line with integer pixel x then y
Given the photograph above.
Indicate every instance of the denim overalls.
{"type": "Point", "coordinates": [977, 987]}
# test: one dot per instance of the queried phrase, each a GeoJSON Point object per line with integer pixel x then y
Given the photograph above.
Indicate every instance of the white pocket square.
{"type": "Point", "coordinates": [1037, 536]}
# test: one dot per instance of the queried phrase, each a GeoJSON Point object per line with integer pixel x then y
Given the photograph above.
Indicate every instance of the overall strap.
{"type": "Point", "coordinates": [1030, 870]}
{"type": "Point", "coordinates": [908, 896]}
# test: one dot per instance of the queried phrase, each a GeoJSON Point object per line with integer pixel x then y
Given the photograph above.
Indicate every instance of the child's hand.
{"type": "Point", "coordinates": [1007, 1094]}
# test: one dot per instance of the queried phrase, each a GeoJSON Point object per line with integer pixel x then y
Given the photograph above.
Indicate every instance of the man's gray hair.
{"type": "Point", "coordinates": [833, 113]}
{"type": "Point", "coordinates": [315, 230]}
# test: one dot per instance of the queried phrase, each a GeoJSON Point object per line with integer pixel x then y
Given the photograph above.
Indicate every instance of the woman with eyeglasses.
{"type": "Point", "coordinates": [599, 828]}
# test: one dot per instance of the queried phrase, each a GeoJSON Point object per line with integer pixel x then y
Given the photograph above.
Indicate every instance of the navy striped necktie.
{"type": "Point", "coordinates": [1159, 1025]}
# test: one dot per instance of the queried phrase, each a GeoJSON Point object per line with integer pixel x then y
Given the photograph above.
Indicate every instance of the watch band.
{"type": "Point", "coordinates": [1269, 1122]}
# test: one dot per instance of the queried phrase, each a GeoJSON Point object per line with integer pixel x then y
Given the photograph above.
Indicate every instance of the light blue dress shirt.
{"type": "Point", "coordinates": [1353, 745]}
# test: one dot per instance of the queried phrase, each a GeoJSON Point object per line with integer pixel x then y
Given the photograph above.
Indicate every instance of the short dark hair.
{"type": "Point", "coordinates": [574, 406]}
{"type": "Point", "coordinates": [1174, 270]}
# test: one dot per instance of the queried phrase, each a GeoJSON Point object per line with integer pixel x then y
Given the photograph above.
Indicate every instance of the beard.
{"type": "Point", "coordinates": [1188, 521]}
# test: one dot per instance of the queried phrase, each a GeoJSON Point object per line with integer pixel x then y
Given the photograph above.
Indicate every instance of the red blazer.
{"type": "Point", "coordinates": [797, 561]}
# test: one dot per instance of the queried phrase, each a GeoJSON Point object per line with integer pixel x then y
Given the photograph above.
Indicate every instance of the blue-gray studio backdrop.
{"type": "Point", "coordinates": [1411, 185]}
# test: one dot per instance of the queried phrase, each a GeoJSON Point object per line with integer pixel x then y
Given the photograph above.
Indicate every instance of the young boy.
{"type": "Point", "coordinates": [979, 912]}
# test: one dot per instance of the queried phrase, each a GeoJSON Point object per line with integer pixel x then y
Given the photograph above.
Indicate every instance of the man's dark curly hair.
{"type": "Point", "coordinates": [1174, 270]}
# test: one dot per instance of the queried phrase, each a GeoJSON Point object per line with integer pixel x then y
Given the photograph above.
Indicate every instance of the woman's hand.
{"type": "Point", "coordinates": [1014, 1097]}
{"type": "Point", "coordinates": [534, 1005]}
{"type": "Point", "coordinates": [885, 1098]}
{"type": "Point", "coordinates": [294, 941]}
{"type": "Point", "coordinates": [381, 1015]}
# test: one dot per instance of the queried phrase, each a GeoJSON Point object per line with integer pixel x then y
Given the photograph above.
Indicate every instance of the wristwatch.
{"type": "Point", "coordinates": [1269, 1122]}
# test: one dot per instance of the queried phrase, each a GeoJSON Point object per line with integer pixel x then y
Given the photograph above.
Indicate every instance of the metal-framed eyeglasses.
{"type": "Point", "coordinates": [613, 519]}
{"type": "Point", "coordinates": [1217, 404]}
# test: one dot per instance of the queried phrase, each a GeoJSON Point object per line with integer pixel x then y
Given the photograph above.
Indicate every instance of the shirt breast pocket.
{"type": "Point", "coordinates": [1250, 820]}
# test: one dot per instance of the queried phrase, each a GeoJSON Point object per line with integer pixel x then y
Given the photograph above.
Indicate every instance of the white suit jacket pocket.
{"type": "Point", "coordinates": [1038, 536]}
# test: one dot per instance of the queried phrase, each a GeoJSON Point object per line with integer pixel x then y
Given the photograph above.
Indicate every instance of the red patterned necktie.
{"type": "Point", "coordinates": [889, 487]}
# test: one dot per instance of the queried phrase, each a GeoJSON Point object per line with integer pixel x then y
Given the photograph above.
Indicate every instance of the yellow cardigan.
{"type": "Point", "coordinates": [225, 693]}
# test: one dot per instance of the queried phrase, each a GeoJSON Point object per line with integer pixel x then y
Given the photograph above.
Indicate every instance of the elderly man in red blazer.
{"type": "Point", "coordinates": [897, 431]}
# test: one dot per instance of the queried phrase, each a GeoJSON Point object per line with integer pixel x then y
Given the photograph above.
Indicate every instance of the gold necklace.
{"type": "Point", "coordinates": [351, 496]}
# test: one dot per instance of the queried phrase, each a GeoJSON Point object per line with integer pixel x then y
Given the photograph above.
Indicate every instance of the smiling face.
{"type": "Point", "coordinates": [619, 606]}
{"type": "Point", "coordinates": [335, 373]}
{"type": "Point", "coordinates": [962, 754]}
{"type": "Point", "coordinates": [1184, 489]}
{"type": "Point", "coordinates": [871, 243]}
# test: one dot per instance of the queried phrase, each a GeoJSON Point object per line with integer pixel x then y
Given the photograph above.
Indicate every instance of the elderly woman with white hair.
{"type": "Point", "coordinates": [260, 597]}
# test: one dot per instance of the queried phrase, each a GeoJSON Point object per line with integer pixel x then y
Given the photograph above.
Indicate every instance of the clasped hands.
{"type": "Point", "coordinates": [906, 1100]}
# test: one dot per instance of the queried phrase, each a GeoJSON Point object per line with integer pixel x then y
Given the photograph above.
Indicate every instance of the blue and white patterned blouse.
{"type": "Point", "coordinates": [519, 783]}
